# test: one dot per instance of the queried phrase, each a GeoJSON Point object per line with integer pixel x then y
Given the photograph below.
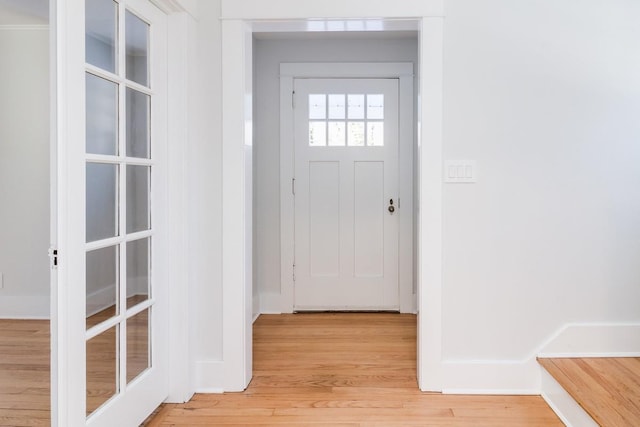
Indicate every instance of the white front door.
{"type": "Point", "coordinates": [346, 194]}
{"type": "Point", "coordinates": [110, 319]}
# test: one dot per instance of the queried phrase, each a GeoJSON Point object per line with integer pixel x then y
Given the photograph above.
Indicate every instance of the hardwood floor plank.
{"type": "Point", "coordinates": [346, 369]}
{"type": "Point", "coordinates": [24, 373]}
{"type": "Point", "coordinates": [608, 389]}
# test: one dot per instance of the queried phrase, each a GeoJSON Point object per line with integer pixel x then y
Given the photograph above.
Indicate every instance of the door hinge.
{"type": "Point", "coordinates": [293, 186]}
{"type": "Point", "coordinates": [53, 257]}
{"type": "Point", "coordinates": [294, 272]}
{"type": "Point", "coordinates": [293, 99]}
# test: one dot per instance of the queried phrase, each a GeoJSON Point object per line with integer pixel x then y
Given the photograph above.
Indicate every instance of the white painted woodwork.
{"type": "Point", "coordinates": [233, 126]}
{"type": "Point", "coordinates": [236, 208]}
{"type": "Point", "coordinates": [345, 10]}
{"type": "Point", "coordinates": [346, 240]}
{"type": "Point", "coordinates": [404, 73]}
{"type": "Point", "coordinates": [593, 340]}
{"type": "Point", "coordinates": [430, 205]}
{"type": "Point", "coordinates": [565, 406]}
{"type": "Point", "coordinates": [135, 400]}
{"type": "Point", "coordinates": [180, 64]}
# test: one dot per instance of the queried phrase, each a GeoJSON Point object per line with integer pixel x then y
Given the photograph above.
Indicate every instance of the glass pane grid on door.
{"type": "Point", "coordinates": [352, 120]}
{"type": "Point", "coordinates": [119, 171]}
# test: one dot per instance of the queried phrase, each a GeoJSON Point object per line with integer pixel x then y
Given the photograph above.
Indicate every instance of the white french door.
{"type": "Point", "coordinates": [346, 194]}
{"type": "Point", "coordinates": [110, 314]}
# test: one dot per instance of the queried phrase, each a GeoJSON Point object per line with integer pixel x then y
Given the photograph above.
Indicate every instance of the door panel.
{"type": "Point", "coordinates": [368, 236]}
{"type": "Point", "coordinates": [324, 219]}
{"type": "Point", "coordinates": [346, 170]}
{"type": "Point", "coordinates": [111, 366]}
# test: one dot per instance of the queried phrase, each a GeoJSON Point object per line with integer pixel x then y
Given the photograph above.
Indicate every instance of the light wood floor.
{"type": "Point", "coordinates": [25, 365]}
{"type": "Point", "coordinates": [607, 388]}
{"type": "Point", "coordinates": [24, 373]}
{"type": "Point", "coordinates": [346, 370]}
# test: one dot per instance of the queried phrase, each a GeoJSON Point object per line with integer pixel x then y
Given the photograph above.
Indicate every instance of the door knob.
{"type": "Point", "coordinates": [391, 208]}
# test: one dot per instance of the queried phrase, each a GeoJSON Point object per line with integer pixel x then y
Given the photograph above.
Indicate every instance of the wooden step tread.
{"type": "Point", "coordinates": [608, 389]}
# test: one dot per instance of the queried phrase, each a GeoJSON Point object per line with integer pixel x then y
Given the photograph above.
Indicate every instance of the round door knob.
{"type": "Point", "coordinates": [392, 209]}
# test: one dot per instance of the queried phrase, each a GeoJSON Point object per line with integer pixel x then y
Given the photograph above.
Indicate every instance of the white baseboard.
{"type": "Point", "coordinates": [256, 306]}
{"type": "Point", "coordinates": [567, 409]}
{"type": "Point", "coordinates": [491, 377]}
{"type": "Point", "coordinates": [25, 307]}
{"type": "Point", "coordinates": [270, 303]}
{"type": "Point", "coordinates": [594, 340]}
{"type": "Point", "coordinates": [100, 299]}
{"type": "Point", "coordinates": [209, 377]}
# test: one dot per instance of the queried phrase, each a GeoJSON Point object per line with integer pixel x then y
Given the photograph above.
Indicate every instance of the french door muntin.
{"type": "Point", "coordinates": [124, 104]}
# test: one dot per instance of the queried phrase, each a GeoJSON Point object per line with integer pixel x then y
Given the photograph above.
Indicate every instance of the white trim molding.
{"type": "Point", "coordinates": [237, 284]}
{"type": "Point", "coordinates": [593, 340]}
{"type": "Point", "coordinates": [430, 148]}
{"type": "Point", "coordinates": [23, 27]}
{"type": "Point", "coordinates": [519, 377]}
{"type": "Point", "coordinates": [561, 402]}
{"type": "Point", "coordinates": [333, 9]}
{"type": "Point", "coordinates": [239, 20]}
{"type": "Point", "coordinates": [25, 307]}
{"type": "Point", "coordinates": [207, 373]}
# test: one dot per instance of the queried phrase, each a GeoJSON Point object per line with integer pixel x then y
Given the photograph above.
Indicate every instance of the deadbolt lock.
{"type": "Point", "coordinates": [391, 208]}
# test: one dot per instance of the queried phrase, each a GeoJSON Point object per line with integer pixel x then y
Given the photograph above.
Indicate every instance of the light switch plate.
{"type": "Point", "coordinates": [460, 171]}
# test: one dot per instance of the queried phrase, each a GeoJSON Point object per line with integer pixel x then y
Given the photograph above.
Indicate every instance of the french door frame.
{"type": "Point", "coordinates": [239, 21]}
{"type": "Point", "coordinates": [67, 71]}
{"type": "Point", "coordinates": [404, 73]}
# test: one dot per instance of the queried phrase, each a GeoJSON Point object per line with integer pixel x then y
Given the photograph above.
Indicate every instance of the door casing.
{"type": "Point", "coordinates": [239, 21]}
{"type": "Point", "coordinates": [403, 71]}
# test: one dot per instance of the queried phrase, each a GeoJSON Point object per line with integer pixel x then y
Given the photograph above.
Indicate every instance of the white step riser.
{"type": "Point", "coordinates": [567, 409]}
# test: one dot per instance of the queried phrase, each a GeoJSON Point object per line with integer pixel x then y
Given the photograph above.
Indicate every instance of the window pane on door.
{"type": "Point", "coordinates": [137, 49]}
{"type": "Point", "coordinates": [356, 134]}
{"type": "Point", "coordinates": [356, 106]}
{"type": "Point", "coordinates": [103, 274]}
{"type": "Point", "coordinates": [138, 344]}
{"type": "Point", "coordinates": [337, 134]}
{"type": "Point", "coordinates": [375, 107]}
{"type": "Point", "coordinates": [101, 17]}
{"type": "Point", "coordinates": [138, 112]}
{"type": "Point", "coordinates": [102, 116]}
{"type": "Point", "coordinates": [138, 271]}
{"type": "Point", "coordinates": [317, 107]}
{"type": "Point", "coordinates": [138, 198]}
{"type": "Point", "coordinates": [337, 106]}
{"type": "Point", "coordinates": [375, 134]}
{"type": "Point", "coordinates": [317, 134]}
{"type": "Point", "coordinates": [102, 201]}
{"type": "Point", "coordinates": [102, 368]}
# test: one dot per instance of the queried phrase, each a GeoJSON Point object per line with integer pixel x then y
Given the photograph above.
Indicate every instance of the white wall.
{"type": "Point", "coordinates": [268, 55]}
{"type": "Point", "coordinates": [546, 97]}
{"type": "Point", "coordinates": [24, 171]}
{"type": "Point", "coordinates": [205, 186]}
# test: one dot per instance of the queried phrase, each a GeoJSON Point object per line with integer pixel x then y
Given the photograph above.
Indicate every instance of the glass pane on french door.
{"type": "Point", "coordinates": [119, 219]}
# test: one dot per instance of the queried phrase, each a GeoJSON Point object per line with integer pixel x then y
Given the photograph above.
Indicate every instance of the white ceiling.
{"type": "Point", "coordinates": [24, 12]}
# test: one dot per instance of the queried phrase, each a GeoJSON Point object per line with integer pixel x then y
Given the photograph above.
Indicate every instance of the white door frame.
{"type": "Point", "coordinates": [239, 20]}
{"type": "Point", "coordinates": [404, 73]}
